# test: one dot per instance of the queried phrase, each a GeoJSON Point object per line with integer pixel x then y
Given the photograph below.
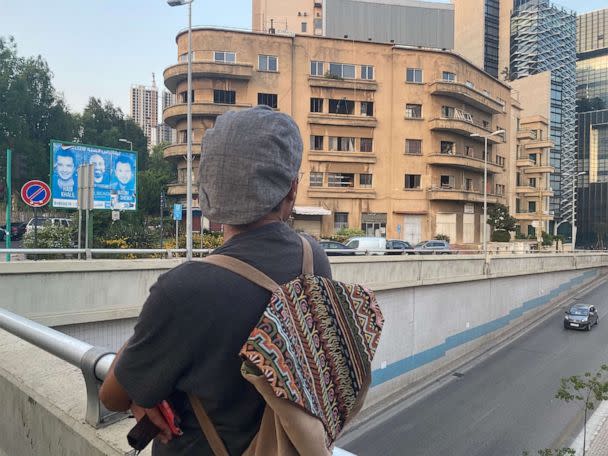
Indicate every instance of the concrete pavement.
{"type": "Point", "coordinates": [597, 433]}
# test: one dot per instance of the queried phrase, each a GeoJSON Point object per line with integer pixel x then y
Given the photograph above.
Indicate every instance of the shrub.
{"type": "Point", "coordinates": [501, 236]}
{"type": "Point", "coordinates": [443, 237]}
{"type": "Point", "coordinates": [50, 237]}
{"type": "Point", "coordinates": [344, 234]}
{"type": "Point", "coordinates": [547, 238]}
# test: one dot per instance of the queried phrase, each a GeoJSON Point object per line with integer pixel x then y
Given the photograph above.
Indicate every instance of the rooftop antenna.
{"type": "Point", "coordinates": [272, 31]}
{"type": "Point", "coordinates": [153, 80]}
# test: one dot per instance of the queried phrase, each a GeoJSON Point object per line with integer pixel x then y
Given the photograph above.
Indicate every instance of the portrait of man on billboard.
{"type": "Point", "coordinates": [100, 176]}
{"type": "Point", "coordinates": [123, 181]}
{"type": "Point", "coordinates": [65, 180]}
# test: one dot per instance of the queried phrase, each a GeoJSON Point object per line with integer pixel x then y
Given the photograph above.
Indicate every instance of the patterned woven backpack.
{"type": "Point", "coordinates": [309, 357]}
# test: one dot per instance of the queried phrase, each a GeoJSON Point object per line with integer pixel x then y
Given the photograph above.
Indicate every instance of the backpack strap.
{"type": "Point", "coordinates": [308, 265]}
{"type": "Point", "coordinates": [213, 438]}
{"type": "Point", "coordinates": [244, 270]}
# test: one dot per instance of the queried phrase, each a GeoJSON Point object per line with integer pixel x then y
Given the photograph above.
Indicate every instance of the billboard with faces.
{"type": "Point", "coordinates": [114, 176]}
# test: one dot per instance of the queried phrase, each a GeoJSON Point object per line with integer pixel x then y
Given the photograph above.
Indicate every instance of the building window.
{"type": "Point", "coordinates": [342, 106]}
{"type": "Point", "coordinates": [413, 111]}
{"type": "Point", "coordinates": [183, 96]}
{"type": "Point", "coordinates": [447, 181]}
{"type": "Point", "coordinates": [342, 70]}
{"type": "Point", "coordinates": [468, 151]}
{"type": "Point", "coordinates": [468, 184]}
{"type": "Point", "coordinates": [316, 142]}
{"type": "Point", "coordinates": [367, 144]}
{"type": "Point", "coordinates": [268, 63]}
{"type": "Point", "coordinates": [268, 99]}
{"type": "Point", "coordinates": [316, 179]}
{"type": "Point", "coordinates": [500, 189]}
{"type": "Point", "coordinates": [341, 180]}
{"type": "Point", "coordinates": [447, 112]}
{"type": "Point", "coordinates": [412, 181]}
{"type": "Point", "coordinates": [365, 180]}
{"type": "Point", "coordinates": [316, 105]}
{"type": "Point", "coordinates": [367, 108]}
{"type": "Point", "coordinates": [469, 84]}
{"type": "Point", "coordinates": [304, 27]}
{"type": "Point", "coordinates": [316, 68]}
{"type": "Point", "coordinates": [447, 148]}
{"type": "Point", "coordinates": [413, 146]}
{"type": "Point", "coordinates": [533, 182]}
{"type": "Point", "coordinates": [367, 72]}
{"type": "Point", "coordinates": [448, 76]}
{"type": "Point", "coordinates": [182, 136]}
{"type": "Point", "coordinates": [224, 57]}
{"type": "Point", "coordinates": [414, 75]}
{"type": "Point", "coordinates": [224, 96]}
{"type": "Point", "coordinates": [500, 161]}
{"type": "Point", "coordinates": [341, 144]}
{"type": "Point", "coordinates": [340, 220]}
{"type": "Point", "coordinates": [531, 206]}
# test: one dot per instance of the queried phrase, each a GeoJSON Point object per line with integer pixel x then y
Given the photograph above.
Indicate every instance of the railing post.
{"type": "Point", "coordinates": [96, 414]}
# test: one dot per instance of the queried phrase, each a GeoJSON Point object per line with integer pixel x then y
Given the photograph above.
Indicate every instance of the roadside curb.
{"type": "Point", "coordinates": [596, 426]}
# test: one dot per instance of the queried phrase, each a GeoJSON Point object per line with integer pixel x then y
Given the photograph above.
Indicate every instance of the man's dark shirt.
{"type": "Point", "coordinates": [191, 329]}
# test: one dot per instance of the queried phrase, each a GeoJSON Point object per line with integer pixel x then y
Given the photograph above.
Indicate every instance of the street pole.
{"type": "Point", "coordinates": [162, 205]}
{"type": "Point", "coordinates": [485, 199]}
{"type": "Point", "coordinates": [574, 212]}
{"type": "Point", "coordinates": [9, 202]}
{"type": "Point", "coordinates": [189, 150]}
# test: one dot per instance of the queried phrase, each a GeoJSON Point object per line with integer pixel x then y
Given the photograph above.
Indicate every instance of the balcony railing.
{"type": "Point", "coordinates": [462, 123]}
{"type": "Point", "coordinates": [473, 161]}
{"type": "Point", "coordinates": [469, 95]}
{"type": "Point", "coordinates": [178, 73]}
{"type": "Point", "coordinates": [173, 114]}
{"type": "Point", "coordinates": [453, 193]}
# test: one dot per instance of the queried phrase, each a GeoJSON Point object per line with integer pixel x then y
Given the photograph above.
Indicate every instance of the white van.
{"type": "Point", "coordinates": [372, 245]}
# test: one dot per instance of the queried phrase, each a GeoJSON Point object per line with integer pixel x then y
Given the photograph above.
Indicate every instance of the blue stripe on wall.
{"type": "Point", "coordinates": [410, 363]}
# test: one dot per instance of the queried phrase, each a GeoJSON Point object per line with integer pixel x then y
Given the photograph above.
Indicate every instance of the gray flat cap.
{"type": "Point", "coordinates": [248, 161]}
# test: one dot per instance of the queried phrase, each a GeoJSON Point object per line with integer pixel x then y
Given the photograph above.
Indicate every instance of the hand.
{"type": "Point", "coordinates": [156, 417]}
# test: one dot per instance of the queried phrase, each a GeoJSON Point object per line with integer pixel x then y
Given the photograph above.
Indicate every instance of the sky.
{"type": "Point", "coordinates": [101, 47]}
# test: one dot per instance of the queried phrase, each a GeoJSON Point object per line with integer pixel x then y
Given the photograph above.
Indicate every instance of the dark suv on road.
{"type": "Point", "coordinates": [581, 316]}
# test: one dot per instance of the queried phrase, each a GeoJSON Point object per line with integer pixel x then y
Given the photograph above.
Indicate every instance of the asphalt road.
{"type": "Point", "coordinates": [501, 406]}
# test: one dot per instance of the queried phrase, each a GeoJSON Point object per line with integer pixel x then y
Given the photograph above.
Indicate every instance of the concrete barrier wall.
{"type": "Point", "coordinates": [70, 292]}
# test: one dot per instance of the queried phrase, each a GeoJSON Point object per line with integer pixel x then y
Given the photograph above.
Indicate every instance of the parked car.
{"type": "Point", "coordinates": [395, 244]}
{"type": "Point", "coordinates": [17, 231]}
{"type": "Point", "coordinates": [333, 248]}
{"type": "Point", "coordinates": [581, 316]}
{"type": "Point", "coordinates": [38, 222]}
{"type": "Point", "coordinates": [43, 222]}
{"type": "Point", "coordinates": [371, 245]}
{"type": "Point", "coordinates": [433, 247]}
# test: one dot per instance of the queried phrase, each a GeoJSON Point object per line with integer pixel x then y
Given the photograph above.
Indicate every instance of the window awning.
{"type": "Point", "coordinates": [311, 210]}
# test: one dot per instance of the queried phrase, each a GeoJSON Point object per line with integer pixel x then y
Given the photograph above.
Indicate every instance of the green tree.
{"type": "Point", "coordinates": [154, 180]}
{"type": "Point", "coordinates": [587, 389]}
{"type": "Point", "coordinates": [103, 124]}
{"type": "Point", "coordinates": [500, 219]}
{"type": "Point", "coordinates": [31, 113]}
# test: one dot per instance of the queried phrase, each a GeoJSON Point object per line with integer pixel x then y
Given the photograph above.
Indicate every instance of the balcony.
{"type": "Point", "coordinates": [533, 216]}
{"type": "Point", "coordinates": [533, 191]}
{"type": "Point", "coordinates": [350, 84]}
{"type": "Point", "coordinates": [173, 114]}
{"type": "Point", "coordinates": [465, 162]}
{"type": "Point", "coordinates": [462, 124]}
{"type": "Point", "coordinates": [539, 169]}
{"type": "Point", "coordinates": [524, 134]}
{"type": "Point", "coordinates": [454, 194]}
{"type": "Point", "coordinates": [466, 94]}
{"type": "Point", "coordinates": [341, 157]}
{"type": "Point", "coordinates": [341, 192]}
{"type": "Point", "coordinates": [524, 162]}
{"type": "Point", "coordinates": [180, 150]}
{"type": "Point", "coordinates": [179, 189]}
{"type": "Point", "coordinates": [178, 73]}
{"type": "Point", "coordinates": [540, 144]}
{"type": "Point", "coordinates": [342, 120]}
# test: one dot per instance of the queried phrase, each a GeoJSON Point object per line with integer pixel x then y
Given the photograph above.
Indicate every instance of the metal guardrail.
{"type": "Point", "coordinates": [94, 363]}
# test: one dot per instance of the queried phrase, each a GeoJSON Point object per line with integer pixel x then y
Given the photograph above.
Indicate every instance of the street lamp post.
{"type": "Point", "coordinates": [128, 142]}
{"type": "Point", "coordinates": [189, 132]}
{"type": "Point", "coordinates": [485, 187]}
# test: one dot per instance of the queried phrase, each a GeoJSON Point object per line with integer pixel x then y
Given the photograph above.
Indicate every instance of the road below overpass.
{"type": "Point", "coordinates": [501, 406]}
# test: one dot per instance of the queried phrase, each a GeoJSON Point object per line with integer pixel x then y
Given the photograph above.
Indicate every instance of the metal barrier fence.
{"type": "Point", "coordinates": [94, 363]}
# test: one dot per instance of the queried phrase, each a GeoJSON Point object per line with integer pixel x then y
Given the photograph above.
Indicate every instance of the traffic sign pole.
{"type": "Point", "coordinates": [36, 194]}
{"type": "Point", "coordinates": [9, 203]}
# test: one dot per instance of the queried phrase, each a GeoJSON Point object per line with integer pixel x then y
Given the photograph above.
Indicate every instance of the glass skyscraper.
{"type": "Point", "coordinates": [592, 126]}
{"type": "Point", "coordinates": [543, 39]}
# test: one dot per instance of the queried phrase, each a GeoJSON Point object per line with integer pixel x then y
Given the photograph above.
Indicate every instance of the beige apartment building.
{"type": "Point", "coordinates": [393, 135]}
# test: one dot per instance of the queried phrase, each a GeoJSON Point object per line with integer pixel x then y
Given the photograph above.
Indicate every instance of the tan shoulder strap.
{"type": "Point", "coordinates": [244, 270]}
{"type": "Point", "coordinates": [308, 265]}
{"type": "Point", "coordinates": [213, 438]}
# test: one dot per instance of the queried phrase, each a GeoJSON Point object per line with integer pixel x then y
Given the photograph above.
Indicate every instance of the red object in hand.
{"type": "Point", "coordinates": [170, 417]}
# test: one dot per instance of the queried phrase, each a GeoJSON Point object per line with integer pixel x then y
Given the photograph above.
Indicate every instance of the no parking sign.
{"type": "Point", "coordinates": [35, 193]}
